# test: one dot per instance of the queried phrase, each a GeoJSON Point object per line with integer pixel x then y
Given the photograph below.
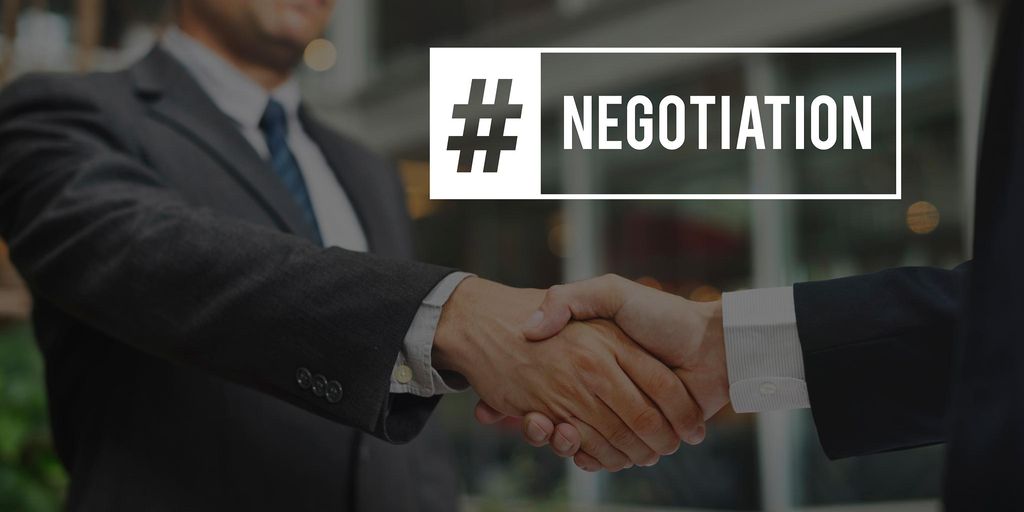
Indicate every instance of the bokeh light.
{"type": "Point", "coordinates": [922, 217]}
{"type": "Point", "coordinates": [320, 55]}
{"type": "Point", "coordinates": [705, 293]}
{"type": "Point", "coordinates": [556, 239]}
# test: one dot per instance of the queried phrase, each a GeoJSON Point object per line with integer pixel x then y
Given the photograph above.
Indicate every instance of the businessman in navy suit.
{"type": "Point", "coordinates": [901, 358]}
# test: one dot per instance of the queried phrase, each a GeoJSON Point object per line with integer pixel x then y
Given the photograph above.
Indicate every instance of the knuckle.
{"type": "Point", "coordinates": [586, 361]}
{"type": "Point", "coordinates": [595, 446]}
{"type": "Point", "coordinates": [663, 384]}
{"type": "Point", "coordinates": [687, 417]}
{"type": "Point", "coordinates": [622, 437]}
{"type": "Point", "coordinates": [608, 282]}
{"type": "Point", "coordinates": [693, 415]}
{"type": "Point", "coordinates": [558, 294]}
{"type": "Point", "coordinates": [606, 456]}
{"type": "Point", "coordinates": [590, 445]}
{"type": "Point", "coordinates": [615, 279]}
{"type": "Point", "coordinates": [648, 422]}
{"type": "Point", "coordinates": [566, 387]}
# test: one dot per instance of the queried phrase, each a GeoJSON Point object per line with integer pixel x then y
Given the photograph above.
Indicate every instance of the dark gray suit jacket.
{"type": "Point", "coordinates": [177, 295]}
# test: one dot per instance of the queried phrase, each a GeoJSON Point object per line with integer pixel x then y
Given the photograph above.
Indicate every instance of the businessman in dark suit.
{"type": "Point", "coordinates": [225, 303]}
{"type": "Point", "coordinates": [897, 359]}
{"type": "Point", "coordinates": [104, 175]}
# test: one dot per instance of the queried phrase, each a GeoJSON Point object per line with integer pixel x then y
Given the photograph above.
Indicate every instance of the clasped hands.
{"type": "Point", "coordinates": [626, 372]}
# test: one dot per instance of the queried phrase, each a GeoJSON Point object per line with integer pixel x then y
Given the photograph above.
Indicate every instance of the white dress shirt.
{"type": "Point", "coordinates": [244, 101]}
{"type": "Point", "coordinates": [762, 350]}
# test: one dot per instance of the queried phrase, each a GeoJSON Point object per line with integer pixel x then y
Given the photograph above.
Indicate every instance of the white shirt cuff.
{"type": "Point", "coordinates": [762, 350]}
{"type": "Point", "coordinates": [413, 372]}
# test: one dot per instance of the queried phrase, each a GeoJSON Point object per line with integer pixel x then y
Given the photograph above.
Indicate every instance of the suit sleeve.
{"type": "Point", "coordinates": [97, 233]}
{"type": "Point", "coordinates": [877, 353]}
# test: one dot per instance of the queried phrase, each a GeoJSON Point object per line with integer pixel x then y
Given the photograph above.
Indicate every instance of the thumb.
{"type": "Point", "coordinates": [550, 318]}
{"type": "Point", "coordinates": [600, 297]}
{"type": "Point", "coordinates": [486, 414]}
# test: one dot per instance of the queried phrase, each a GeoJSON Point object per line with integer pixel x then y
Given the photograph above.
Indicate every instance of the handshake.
{"type": "Point", "coordinates": [626, 372]}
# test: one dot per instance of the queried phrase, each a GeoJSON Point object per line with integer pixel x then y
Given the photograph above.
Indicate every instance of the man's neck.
{"type": "Point", "coordinates": [269, 77]}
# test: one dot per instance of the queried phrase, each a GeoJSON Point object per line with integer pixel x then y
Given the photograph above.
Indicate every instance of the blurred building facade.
{"type": "Point", "coordinates": [369, 78]}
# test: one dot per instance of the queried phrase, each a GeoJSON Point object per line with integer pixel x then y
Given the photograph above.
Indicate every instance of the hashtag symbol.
{"type": "Point", "coordinates": [494, 141]}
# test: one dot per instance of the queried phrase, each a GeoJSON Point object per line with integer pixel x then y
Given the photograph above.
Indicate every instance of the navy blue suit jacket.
{"type": "Point", "coordinates": [915, 356]}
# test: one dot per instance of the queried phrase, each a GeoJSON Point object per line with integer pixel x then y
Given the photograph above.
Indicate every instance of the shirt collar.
{"type": "Point", "coordinates": [237, 95]}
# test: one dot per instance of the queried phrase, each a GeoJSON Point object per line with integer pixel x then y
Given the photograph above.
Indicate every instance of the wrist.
{"type": "Point", "coordinates": [714, 328]}
{"type": "Point", "coordinates": [704, 370]}
{"type": "Point", "coordinates": [479, 336]}
{"type": "Point", "coordinates": [714, 343]}
{"type": "Point", "coordinates": [448, 350]}
{"type": "Point", "coordinates": [478, 315]}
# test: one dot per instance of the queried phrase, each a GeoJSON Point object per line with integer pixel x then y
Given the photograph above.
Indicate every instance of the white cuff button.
{"type": "Point", "coordinates": [402, 374]}
{"type": "Point", "coordinates": [768, 388]}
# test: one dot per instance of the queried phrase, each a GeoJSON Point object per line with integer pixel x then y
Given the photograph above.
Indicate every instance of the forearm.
{"type": "Point", "coordinates": [246, 303]}
{"type": "Point", "coordinates": [100, 236]}
{"type": "Point", "coordinates": [854, 350]}
{"type": "Point", "coordinates": [877, 350]}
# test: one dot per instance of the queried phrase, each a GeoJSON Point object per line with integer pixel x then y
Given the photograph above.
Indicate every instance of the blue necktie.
{"type": "Point", "coordinates": [274, 126]}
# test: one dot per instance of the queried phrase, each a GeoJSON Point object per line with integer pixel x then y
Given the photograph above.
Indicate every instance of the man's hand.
{"type": "Point", "coordinates": [629, 407]}
{"type": "Point", "coordinates": [685, 335]}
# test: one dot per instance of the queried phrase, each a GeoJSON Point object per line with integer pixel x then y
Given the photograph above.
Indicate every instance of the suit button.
{"type": "Point", "coordinates": [319, 385]}
{"type": "Point", "coordinates": [303, 378]}
{"type": "Point", "coordinates": [333, 392]}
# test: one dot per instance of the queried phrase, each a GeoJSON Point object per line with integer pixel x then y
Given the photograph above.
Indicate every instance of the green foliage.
{"type": "Point", "coordinates": [31, 477]}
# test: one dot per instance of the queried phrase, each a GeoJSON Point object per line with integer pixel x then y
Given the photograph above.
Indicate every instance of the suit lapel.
{"type": "Point", "coordinates": [178, 101]}
{"type": "Point", "coordinates": [355, 176]}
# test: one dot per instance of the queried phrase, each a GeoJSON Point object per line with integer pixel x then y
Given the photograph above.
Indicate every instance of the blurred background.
{"type": "Point", "coordinates": [369, 78]}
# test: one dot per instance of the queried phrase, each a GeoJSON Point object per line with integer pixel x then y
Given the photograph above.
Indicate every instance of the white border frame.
{"type": "Point", "coordinates": [898, 52]}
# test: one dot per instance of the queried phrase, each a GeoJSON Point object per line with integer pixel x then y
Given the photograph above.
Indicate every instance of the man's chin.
{"type": "Point", "coordinates": [295, 41]}
{"type": "Point", "coordinates": [291, 40]}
